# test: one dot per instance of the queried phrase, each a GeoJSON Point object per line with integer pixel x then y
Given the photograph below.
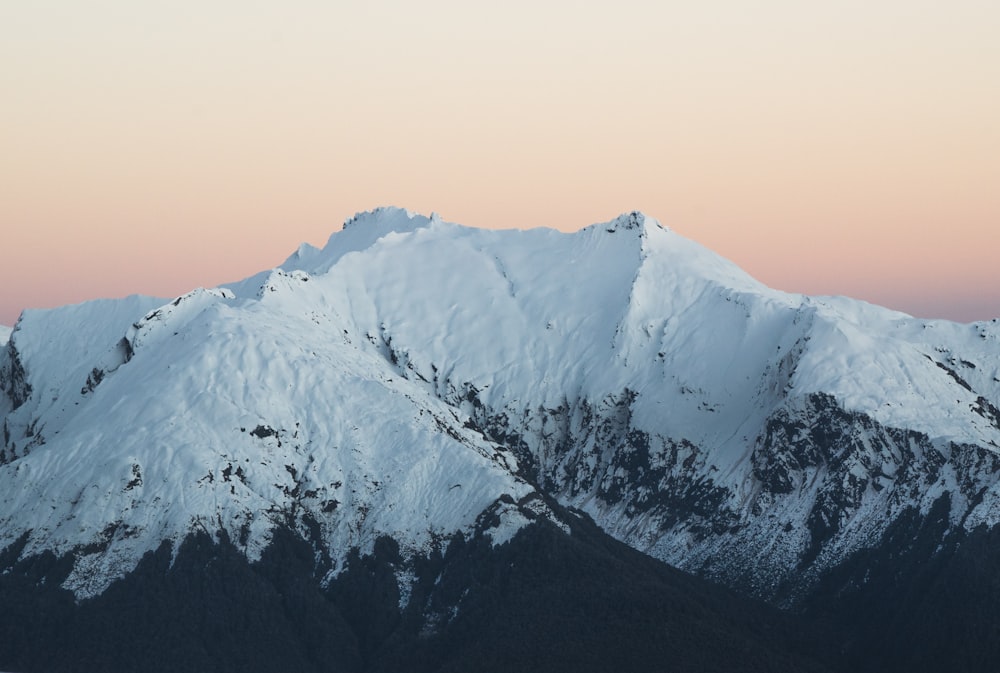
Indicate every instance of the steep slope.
{"type": "Point", "coordinates": [222, 416]}
{"type": "Point", "coordinates": [6, 404]}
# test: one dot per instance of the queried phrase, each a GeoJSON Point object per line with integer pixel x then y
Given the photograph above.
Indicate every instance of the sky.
{"type": "Point", "coordinates": [848, 148]}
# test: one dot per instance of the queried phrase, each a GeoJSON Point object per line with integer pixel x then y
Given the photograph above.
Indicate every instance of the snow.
{"type": "Point", "coordinates": [205, 373]}
{"type": "Point", "coordinates": [511, 520]}
{"type": "Point", "coordinates": [335, 386]}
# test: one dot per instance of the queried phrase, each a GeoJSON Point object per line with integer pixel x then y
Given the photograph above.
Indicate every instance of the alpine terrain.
{"type": "Point", "coordinates": [428, 447]}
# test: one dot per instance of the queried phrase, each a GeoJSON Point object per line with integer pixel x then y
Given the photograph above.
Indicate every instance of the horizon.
{"type": "Point", "coordinates": [837, 150]}
{"type": "Point", "coordinates": [956, 309]}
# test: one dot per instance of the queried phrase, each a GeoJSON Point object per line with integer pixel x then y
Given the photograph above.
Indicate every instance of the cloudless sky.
{"type": "Point", "coordinates": [836, 148]}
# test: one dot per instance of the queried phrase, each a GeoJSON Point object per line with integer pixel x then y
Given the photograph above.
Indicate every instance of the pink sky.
{"type": "Point", "coordinates": [846, 149]}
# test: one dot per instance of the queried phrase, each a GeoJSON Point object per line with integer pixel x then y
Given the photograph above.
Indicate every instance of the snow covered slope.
{"type": "Point", "coordinates": [414, 374]}
{"type": "Point", "coordinates": [226, 415]}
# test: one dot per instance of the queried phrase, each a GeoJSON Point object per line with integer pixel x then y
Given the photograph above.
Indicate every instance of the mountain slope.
{"type": "Point", "coordinates": [516, 607]}
{"type": "Point", "coordinates": [256, 430]}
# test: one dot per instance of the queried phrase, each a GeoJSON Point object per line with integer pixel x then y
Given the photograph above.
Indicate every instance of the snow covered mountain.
{"type": "Point", "coordinates": [416, 379]}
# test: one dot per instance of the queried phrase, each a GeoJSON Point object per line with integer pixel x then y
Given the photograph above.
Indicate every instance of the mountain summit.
{"type": "Point", "coordinates": [416, 382]}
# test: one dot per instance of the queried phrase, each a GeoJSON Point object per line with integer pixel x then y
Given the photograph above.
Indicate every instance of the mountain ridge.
{"type": "Point", "coordinates": [416, 380]}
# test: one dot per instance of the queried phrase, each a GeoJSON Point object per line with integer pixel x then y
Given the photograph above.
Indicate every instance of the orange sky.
{"type": "Point", "coordinates": [157, 146]}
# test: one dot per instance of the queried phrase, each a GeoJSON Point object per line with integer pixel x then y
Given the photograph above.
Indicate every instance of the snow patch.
{"type": "Point", "coordinates": [510, 521]}
{"type": "Point", "coordinates": [405, 579]}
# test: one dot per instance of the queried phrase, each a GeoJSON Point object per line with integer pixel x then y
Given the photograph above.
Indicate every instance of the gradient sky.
{"type": "Point", "coordinates": [835, 148]}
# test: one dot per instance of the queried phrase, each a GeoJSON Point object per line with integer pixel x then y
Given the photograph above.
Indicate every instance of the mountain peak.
{"type": "Point", "coordinates": [358, 233]}
{"type": "Point", "coordinates": [387, 218]}
{"type": "Point", "coordinates": [635, 220]}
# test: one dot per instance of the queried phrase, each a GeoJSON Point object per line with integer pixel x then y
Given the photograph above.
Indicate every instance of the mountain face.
{"type": "Point", "coordinates": [418, 399]}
